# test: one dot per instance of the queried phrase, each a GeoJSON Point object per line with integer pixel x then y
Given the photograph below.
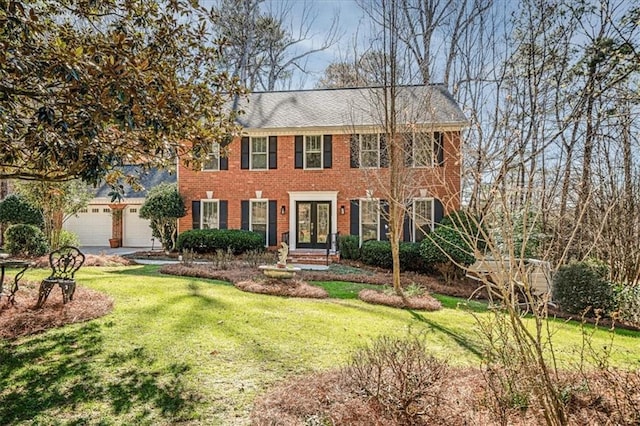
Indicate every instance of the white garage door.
{"type": "Point", "coordinates": [136, 231]}
{"type": "Point", "coordinates": [93, 225]}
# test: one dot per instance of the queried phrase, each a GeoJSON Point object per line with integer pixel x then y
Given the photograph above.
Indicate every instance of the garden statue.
{"type": "Point", "coordinates": [283, 253]}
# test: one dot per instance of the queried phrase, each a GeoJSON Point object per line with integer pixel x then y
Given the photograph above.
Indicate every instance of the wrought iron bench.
{"type": "Point", "coordinates": [64, 263]}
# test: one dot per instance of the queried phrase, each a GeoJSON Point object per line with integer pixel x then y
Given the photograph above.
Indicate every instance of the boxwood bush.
{"type": "Point", "coordinates": [211, 240]}
{"type": "Point", "coordinates": [628, 303]}
{"type": "Point", "coordinates": [25, 240]}
{"type": "Point", "coordinates": [378, 253]}
{"type": "Point", "coordinates": [349, 246]}
{"type": "Point", "coordinates": [583, 288]}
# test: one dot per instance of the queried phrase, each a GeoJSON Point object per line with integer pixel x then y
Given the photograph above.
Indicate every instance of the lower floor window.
{"type": "Point", "coordinates": [210, 217]}
{"type": "Point", "coordinates": [258, 220]}
{"type": "Point", "coordinates": [369, 220]}
{"type": "Point", "coordinates": [422, 212]}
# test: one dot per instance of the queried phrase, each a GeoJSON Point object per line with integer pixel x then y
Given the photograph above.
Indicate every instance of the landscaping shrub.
{"type": "Point", "coordinates": [68, 238]}
{"type": "Point", "coordinates": [378, 253]}
{"type": "Point", "coordinates": [448, 248]}
{"type": "Point", "coordinates": [349, 246]}
{"type": "Point", "coordinates": [400, 376]}
{"type": "Point", "coordinates": [15, 209]}
{"type": "Point", "coordinates": [26, 240]}
{"type": "Point", "coordinates": [467, 224]}
{"type": "Point", "coordinates": [627, 299]}
{"type": "Point", "coordinates": [583, 288]}
{"type": "Point", "coordinates": [211, 240]}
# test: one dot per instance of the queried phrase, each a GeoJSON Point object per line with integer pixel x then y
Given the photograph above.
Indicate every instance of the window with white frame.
{"type": "Point", "coordinates": [258, 218]}
{"type": "Point", "coordinates": [259, 153]}
{"type": "Point", "coordinates": [209, 214]}
{"type": "Point", "coordinates": [212, 160]}
{"type": "Point", "coordinates": [422, 154]}
{"type": "Point", "coordinates": [313, 152]}
{"type": "Point", "coordinates": [369, 220]}
{"type": "Point", "coordinates": [370, 150]}
{"type": "Point", "coordinates": [422, 218]}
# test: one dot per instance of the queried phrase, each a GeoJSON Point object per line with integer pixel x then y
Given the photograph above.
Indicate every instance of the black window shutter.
{"type": "Point", "coordinates": [273, 152]}
{"type": "Point", "coordinates": [354, 215]}
{"type": "Point", "coordinates": [244, 214]}
{"type": "Point", "coordinates": [354, 150]}
{"type": "Point", "coordinates": [244, 152]}
{"type": "Point", "coordinates": [438, 210]}
{"type": "Point", "coordinates": [439, 148]}
{"type": "Point", "coordinates": [407, 139]}
{"type": "Point", "coordinates": [384, 220]}
{"type": "Point", "coordinates": [406, 227]}
{"type": "Point", "coordinates": [299, 152]}
{"type": "Point", "coordinates": [195, 214]}
{"type": "Point", "coordinates": [224, 207]}
{"type": "Point", "coordinates": [384, 155]}
{"type": "Point", "coordinates": [327, 148]}
{"type": "Point", "coordinates": [273, 222]}
{"type": "Point", "coordinates": [224, 163]}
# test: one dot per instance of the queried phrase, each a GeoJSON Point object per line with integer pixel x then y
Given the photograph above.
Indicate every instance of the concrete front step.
{"type": "Point", "coordinates": [312, 258]}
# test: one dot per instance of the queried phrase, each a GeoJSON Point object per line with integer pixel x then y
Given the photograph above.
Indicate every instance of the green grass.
{"type": "Point", "coordinates": [199, 351]}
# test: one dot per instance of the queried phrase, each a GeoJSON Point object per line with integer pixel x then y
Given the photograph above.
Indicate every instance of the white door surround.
{"type": "Point", "coordinates": [331, 196]}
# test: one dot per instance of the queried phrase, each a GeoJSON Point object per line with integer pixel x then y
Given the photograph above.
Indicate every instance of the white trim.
{"type": "Point", "coordinates": [413, 214]}
{"type": "Point", "coordinates": [304, 153]}
{"type": "Point", "coordinates": [379, 223]}
{"type": "Point", "coordinates": [266, 152]}
{"type": "Point", "coordinates": [345, 130]}
{"type": "Point", "coordinates": [294, 196]}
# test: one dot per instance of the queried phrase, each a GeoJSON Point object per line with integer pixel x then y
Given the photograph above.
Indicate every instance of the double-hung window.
{"type": "Point", "coordinates": [369, 220]}
{"type": "Point", "coordinates": [259, 153]}
{"type": "Point", "coordinates": [212, 160]}
{"type": "Point", "coordinates": [313, 152]}
{"type": "Point", "coordinates": [422, 154]}
{"type": "Point", "coordinates": [370, 150]}
{"type": "Point", "coordinates": [258, 219]}
{"type": "Point", "coordinates": [209, 214]}
{"type": "Point", "coordinates": [422, 218]}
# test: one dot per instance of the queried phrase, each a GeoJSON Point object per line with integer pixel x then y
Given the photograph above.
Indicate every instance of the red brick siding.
{"type": "Point", "coordinates": [235, 184]}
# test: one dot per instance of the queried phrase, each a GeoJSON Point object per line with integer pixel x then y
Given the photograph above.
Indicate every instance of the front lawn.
{"type": "Point", "coordinates": [192, 350]}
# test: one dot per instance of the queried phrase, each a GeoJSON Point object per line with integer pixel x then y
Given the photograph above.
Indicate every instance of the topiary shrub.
{"type": "Point", "coordinates": [15, 209]}
{"type": "Point", "coordinates": [349, 246]}
{"type": "Point", "coordinates": [211, 240]}
{"type": "Point", "coordinates": [25, 240]}
{"type": "Point", "coordinates": [581, 288]}
{"type": "Point", "coordinates": [378, 253]}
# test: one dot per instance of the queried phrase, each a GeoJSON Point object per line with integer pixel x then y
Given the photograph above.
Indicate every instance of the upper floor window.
{"type": "Point", "coordinates": [368, 151]}
{"type": "Point", "coordinates": [259, 152]}
{"type": "Point", "coordinates": [210, 214]}
{"type": "Point", "coordinates": [212, 160]}
{"type": "Point", "coordinates": [313, 152]}
{"type": "Point", "coordinates": [424, 149]}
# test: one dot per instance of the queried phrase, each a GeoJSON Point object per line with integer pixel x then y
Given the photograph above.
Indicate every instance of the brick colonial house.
{"type": "Point", "coordinates": [311, 164]}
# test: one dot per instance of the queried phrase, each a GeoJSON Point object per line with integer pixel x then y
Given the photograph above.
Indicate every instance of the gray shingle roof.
{"type": "Point", "coordinates": [148, 179]}
{"type": "Point", "coordinates": [426, 104]}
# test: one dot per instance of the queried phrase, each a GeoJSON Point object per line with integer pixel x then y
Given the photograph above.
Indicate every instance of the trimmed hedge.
{"type": "Point", "coordinates": [349, 246]}
{"type": "Point", "coordinates": [211, 240]}
{"type": "Point", "coordinates": [582, 288]}
{"type": "Point", "coordinates": [15, 209]}
{"type": "Point", "coordinates": [378, 253]}
{"type": "Point", "coordinates": [25, 240]}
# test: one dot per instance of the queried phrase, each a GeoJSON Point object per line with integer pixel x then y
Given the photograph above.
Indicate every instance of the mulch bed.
{"type": "Point", "coordinates": [423, 302]}
{"type": "Point", "coordinates": [23, 318]}
{"type": "Point", "coordinates": [289, 288]}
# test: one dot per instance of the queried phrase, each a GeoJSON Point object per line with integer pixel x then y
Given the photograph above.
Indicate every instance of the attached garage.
{"type": "Point", "coordinates": [136, 231]}
{"type": "Point", "coordinates": [93, 225]}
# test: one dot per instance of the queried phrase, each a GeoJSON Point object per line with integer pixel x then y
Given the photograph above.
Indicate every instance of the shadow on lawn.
{"type": "Point", "coordinates": [461, 340]}
{"type": "Point", "coordinates": [61, 371]}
